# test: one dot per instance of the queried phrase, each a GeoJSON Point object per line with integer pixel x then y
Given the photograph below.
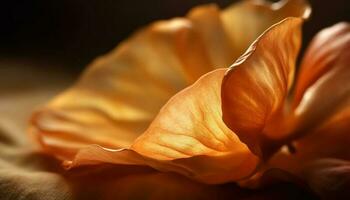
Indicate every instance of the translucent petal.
{"type": "Point", "coordinates": [255, 88]}
{"type": "Point", "coordinates": [189, 132]}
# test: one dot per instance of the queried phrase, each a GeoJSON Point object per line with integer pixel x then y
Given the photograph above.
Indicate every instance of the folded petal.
{"type": "Point", "coordinates": [323, 86]}
{"type": "Point", "coordinates": [255, 88]}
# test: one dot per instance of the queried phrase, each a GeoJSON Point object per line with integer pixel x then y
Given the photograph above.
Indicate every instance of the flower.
{"type": "Point", "coordinates": [163, 98]}
{"type": "Point", "coordinates": [111, 114]}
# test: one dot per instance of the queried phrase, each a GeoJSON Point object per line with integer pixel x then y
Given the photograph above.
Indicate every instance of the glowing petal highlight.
{"type": "Point", "coordinates": [254, 90]}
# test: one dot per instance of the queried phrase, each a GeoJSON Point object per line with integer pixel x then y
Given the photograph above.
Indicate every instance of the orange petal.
{"type": "Point", "coordinates": [255, 88]}
{"type": "Point", "coordinates": [324, 84]}
{"type": "Point", "coordinates": [189, 134]}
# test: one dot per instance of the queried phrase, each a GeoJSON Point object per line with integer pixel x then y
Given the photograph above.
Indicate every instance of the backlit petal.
{"type": "Point", "coordinates": [254, 90]}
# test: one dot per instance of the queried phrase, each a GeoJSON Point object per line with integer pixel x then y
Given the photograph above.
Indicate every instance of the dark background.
{"type": "Point", "coordinates": [68, 34]}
